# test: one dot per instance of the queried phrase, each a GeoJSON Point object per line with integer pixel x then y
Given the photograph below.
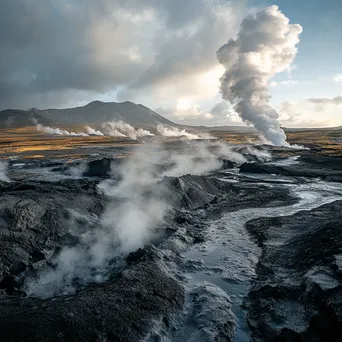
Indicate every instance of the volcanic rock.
{"type": "Point", "coordinates": [192, 192]}
{"type": "Point", "coordinates": [227, 164]}
{"type": "Point", "coordinates": [36, 218]}
{"type": "Point", "coordinates": [213, 314]}
{"type": "Point", "coordinates": [327, 168]}
{"type": "Point", "coordinates": [99, 168]}
{"type": "Point", "coordinates": [297, 294]}
{"type": "Point", "coordinates": [125, 309]}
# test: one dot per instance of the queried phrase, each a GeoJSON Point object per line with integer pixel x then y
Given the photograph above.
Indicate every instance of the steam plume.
{"type": "Point", "coordinates": [92, 131]}
{"type": "Point", "coordinates": [138, 206]}
{"type": "Point", "coordinates": [78, 170]}
{"type": "Point", "coordinates": [175, 132]}
{"type": "Point", "coordinates": [58, 131]}
{"type": "Point", "coordinates": [265, 46]}
{"type": "Point", "coordinates": [123, 129]}
{"type": "Point", "coordinates": [3, 170]}
{"type": "Point", "coordinates": [200, 158]}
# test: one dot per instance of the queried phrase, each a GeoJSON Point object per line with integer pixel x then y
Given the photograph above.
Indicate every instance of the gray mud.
{"type": "Point", "coordinates": [243, 253]}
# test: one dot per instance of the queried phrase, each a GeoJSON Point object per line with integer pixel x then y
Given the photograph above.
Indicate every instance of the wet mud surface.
{"type": "Point", "coordinates": [247, 250]}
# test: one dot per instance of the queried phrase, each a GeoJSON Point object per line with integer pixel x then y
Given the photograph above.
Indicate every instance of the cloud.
{"type": "Point", "coordinates": [337, 78]}
{"type": "Point", "coordinates": [62, 53]}
{"type": "Point", "coordinates": [287, 82]}
{"type": "Point", "coordinates": [188, 52]}
{"type": "Point", "coordinates": [322, 103]}
{"type": "Point", "coordinates": [289, 110]}
{"type": "Point", "coordinates": [61, 48]}
{"type": "Point", "coordinates": [299, 114]}
{"type": "Point", "coordinates": [221, 114]}
{"type": "Point", "coordinates": [188, 114]}
{"type": "Point", "coordinates": [313, 112]}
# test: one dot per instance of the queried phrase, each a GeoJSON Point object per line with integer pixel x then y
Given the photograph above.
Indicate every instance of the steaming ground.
{"type": "Point", "coordinates": [121, 129]}
{"type": "Point", "coordinates": [3, 171]}
{"type": "Point", "coordinates": [157, 233]}
{"type": "Point", "coordinates": [140, 201]}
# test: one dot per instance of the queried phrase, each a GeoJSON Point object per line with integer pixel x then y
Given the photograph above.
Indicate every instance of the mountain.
{"type": "Point", "coordinates": [14, 118]}
{"type": "Point", "coordinates": [95, 112]}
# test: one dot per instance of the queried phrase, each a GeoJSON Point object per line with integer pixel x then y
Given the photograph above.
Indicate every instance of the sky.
{"type": "Point", "coordinates": [163, 54]}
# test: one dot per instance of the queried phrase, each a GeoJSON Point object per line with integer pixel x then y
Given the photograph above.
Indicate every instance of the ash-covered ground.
{"type": "Point", "coordinates": [172, 241]}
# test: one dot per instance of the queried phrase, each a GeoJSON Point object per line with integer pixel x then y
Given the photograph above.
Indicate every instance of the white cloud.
{"type": "Point", "coordinates": [191, 114]}
{"type": "Point", "coordinates": [286, 83]}
{"type": "Point", "coordinates": [321, 103]}
{"type": "Point", "coordinates": [288, 111]}
{"type": "Point", "coordinates": [159, 53]}
{"type": "Point", "coordinates": [337, 78]}
{"type": "Point", "coordinates": [187, 112]}
{"type": "Point", "coordinates": [304, 114]}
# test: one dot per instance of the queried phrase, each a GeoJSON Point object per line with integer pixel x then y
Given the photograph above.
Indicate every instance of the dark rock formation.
{"type": "Point", "coordinates": [38, 218]}
{"type": "Point", "coordinates": [327, 168]}
{"type": "Point", "coordinates": [334, 163]}
{"type": "Point", "coordinates": [297, 295]}
{"type": "Point", "coordinates": [212, 312]}
{"type": "Point", "coordinates": [125, 309]}
{"type": "Point", "coordinates": [227, 164]}
{"type": "Point", "coordinates": [261, 168]}
{"type": "Point", "coordinates": [99, 168]}
{"type": "Point", "coordinates": [193, 191]}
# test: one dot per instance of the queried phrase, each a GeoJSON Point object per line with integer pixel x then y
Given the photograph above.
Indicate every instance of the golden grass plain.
{"type": "Point", "coordinates": [29, 143]}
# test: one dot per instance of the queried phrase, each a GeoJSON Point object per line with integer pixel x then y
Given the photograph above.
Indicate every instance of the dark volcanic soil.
{"type": "Point", "coordinates": [121, 310]}
{"type": "Point", "coordinates": [261, 240]}
{"type": "Point", "coordinates": [38, 218]}
{"type": "Point", "coordinates": [325, 168]}
{"type": "Point", "coordinates": [297, 294]}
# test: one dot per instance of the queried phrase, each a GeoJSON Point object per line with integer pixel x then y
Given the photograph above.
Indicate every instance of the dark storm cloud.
{"type": "Point", "coordinates": [54, 52]}
{"type": "Point", "coordinates": [49, 48]}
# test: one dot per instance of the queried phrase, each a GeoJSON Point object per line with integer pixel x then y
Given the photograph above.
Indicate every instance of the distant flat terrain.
{"type": "Point", "coordinates": [28, 143]}
{"type": "Point", "coordinates": [328, 140]}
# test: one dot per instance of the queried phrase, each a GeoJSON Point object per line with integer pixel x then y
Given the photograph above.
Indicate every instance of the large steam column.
{"type": "Point", "coordinates": [265, 45]}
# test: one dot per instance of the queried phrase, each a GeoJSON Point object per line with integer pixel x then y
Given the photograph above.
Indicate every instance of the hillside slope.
{"type": "Point", "coordinates": [95, 112]}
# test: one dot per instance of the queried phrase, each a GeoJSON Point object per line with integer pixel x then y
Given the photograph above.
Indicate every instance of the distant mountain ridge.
{"type": "Point", "coordinates": [95, 113]}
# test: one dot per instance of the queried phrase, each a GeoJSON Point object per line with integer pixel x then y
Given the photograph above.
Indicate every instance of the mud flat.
{"type": "Point", "coordinates": [244, 252]}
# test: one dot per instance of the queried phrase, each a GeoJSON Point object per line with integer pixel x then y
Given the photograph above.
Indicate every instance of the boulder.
{"type": "Point", "coordinates": [126, 309]}
{"type": "Point", "coordinates": [297, 294]}
{"type": "Point", "coordinates": [36, 218]}
{"type": "Point", "coordinates": [99, 168]}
